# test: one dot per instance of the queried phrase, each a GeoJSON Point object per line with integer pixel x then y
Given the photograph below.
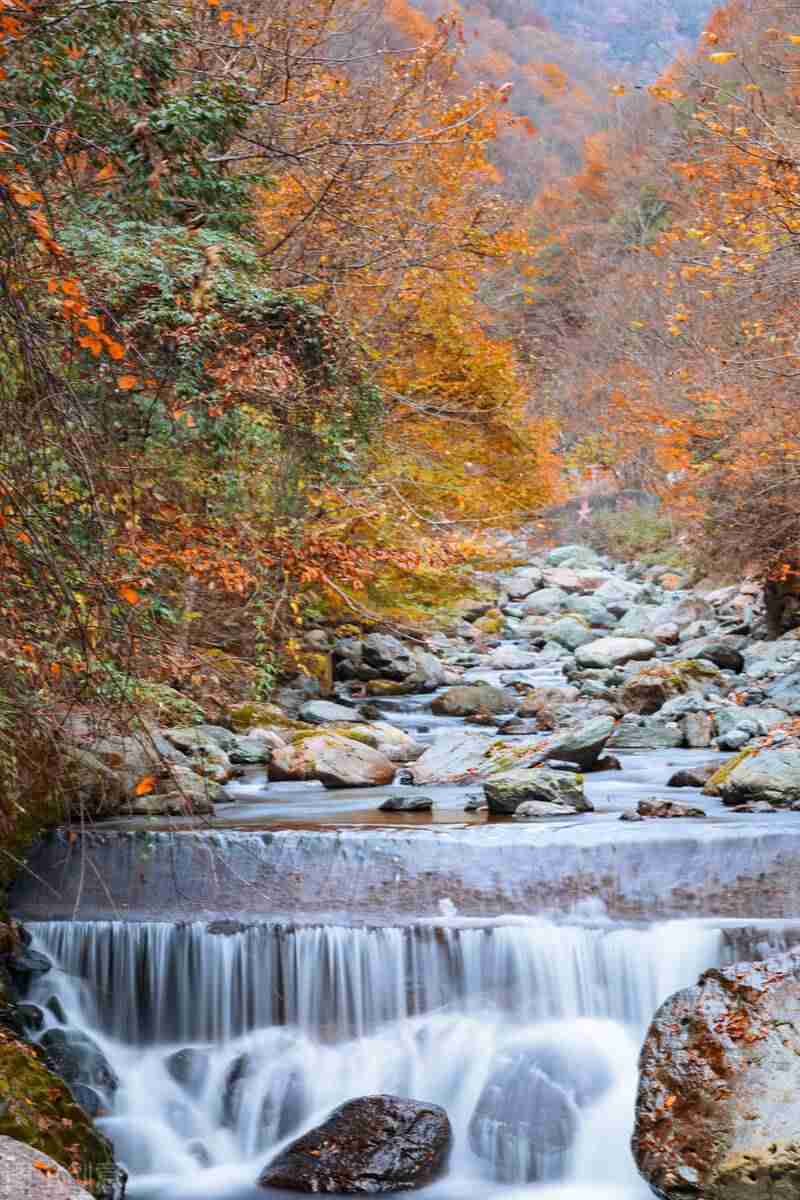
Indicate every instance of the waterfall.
{"type": "Point", "coordinates": [227, 1040]}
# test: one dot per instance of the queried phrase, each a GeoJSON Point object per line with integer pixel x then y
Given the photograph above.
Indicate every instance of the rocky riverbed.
{"type": "Point", "coordinates": [515, 838]}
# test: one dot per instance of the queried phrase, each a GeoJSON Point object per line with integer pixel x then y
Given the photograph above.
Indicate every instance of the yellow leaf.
{"type": "Point", "coordinates": [723, 56]}
{"type": "Point", "coordinates": [794, 38]}
{"type": "Point", "coordinates": [145, 785]}
{"type": "Point", "coordinates": [126, 383]}
{"type": "Point", "coordinates": [129, 594]}
{"type": "Point", "coordinates": [106, 172]}
{"type": "Point", "coordinates": [618, 89]}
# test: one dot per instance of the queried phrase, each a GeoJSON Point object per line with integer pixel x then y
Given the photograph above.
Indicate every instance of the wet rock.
{"type": "Point", "coordinates": [576, 1065]}
{"type": "Point", "coordinates": [462, 757]}
{"type": "Point", "coordinates": [471, 699]}
{"type": "Point", "coordinates": [412, 803]}
{"type": "Point", "coordinates": [56, 1008]}
{"type": "Point", "coordinates": [323, 712]}
{"type": "Point", "coordinates": [648, 690]}
{"type": "Point", "coordinates": [396, 744]}
{"type": "Point", "coordinates": [372, 1144]}
{"type": "Point", "coordinates": [722, 654]}
{"type": "Point", "coordinates": [656, 807]}
{"type": "Point", "coordinates": [25, 1018]}
{"type": "Point", "coordinates": [546, 698]}
{"type": "Point", "coordinates": [284, 1108]}
{"type": "Point", "coordinates": [692, 777]}
{"type": "Point", "coordinates": [77, 1058]}
{"type": "Point", "coordinates": [646, 733]}
{"type": "Point", "coordinates": [188, 1067]}
{"type": "Point", "coordinates": [541, 810]}
{"type": "Point", "coordinates": [570, 632]}
{"type": "Point", "coordinates": [89, 1100]}
{"type": "Point", "coordinates": [28, 1174]}
{"type": "Point", "coordinates": [25, 964]}
{"type": "Point", "coordinates": [773, 775]}
{"type": "Point", "coordinates": [717, 1111]}
{"type": "Point", "coordinates": [199, 793]}
{"type": "Point", "coordinates": [583, 745]}
{"type": "Point", "coordinates": [333, 760]}
{"type": "Point", "coordinates": [506, 793]}
{"type": "Point", "coordinates": [613, 652]}
{"type": "Point", "coordinates": [523, 1123]}
{"type": "Point", "coordinates": [388, 655]}
{"type": "Point", "coordinates": [758, 806]}
{"type": "Point", "coordinates": [254, 750]}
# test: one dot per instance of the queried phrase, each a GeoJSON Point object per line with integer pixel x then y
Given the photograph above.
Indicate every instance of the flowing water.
{"type": "Point", "coordinates": [244, 980]}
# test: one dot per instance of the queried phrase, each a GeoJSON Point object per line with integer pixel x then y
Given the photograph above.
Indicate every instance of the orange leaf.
{"type": "Point", "coordinates": [126, 383]}
{"type": "Point", "coordinates": [145, 785]}
{"type": "Point", "coordinates": [115, 349]}
{"type": "Point", "coordinates": [106, 172]}
{"type": "Point", "coordinates": [129, 594]}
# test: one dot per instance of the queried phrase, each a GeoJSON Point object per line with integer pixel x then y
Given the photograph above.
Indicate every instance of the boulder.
{"type": "Point", "coordinates": [574, 554]}
{"type": "Point", "coordinates": [469, 700]}
{"type": "Point", "coordinates": [546, 600]}
{"type": "Point", "coordinates": [546, 698]}
{"type": "Point", "coordinates": [388, 655]}
{"type": "Point", "coordinates": [645, 733]}
{"type": "Point", "coordinates": [584, 744]}
{"type": "Point", "coordinates": [189, 1067]}
{"type": "Point", "coordinates": [372, 1144]}
{"type": "Point", "coordinates": [336, 761]}
{"type": "Point", "coordinates": [522, 583]}
{"type": "Point", "coordinates": [523, 1123]}
{"type": "Point", "coordinates": [462, 757]}
{"type": "Point", "coordinates": [649, 689]}
{"type": "Point", "coordinates": [396, 744]}
{"type": "Point", "coordinates": [722, 654]}
{"type": "Point", "coordinates": [570, 632]}
{"type": "Point", "coordinates": [592, 611]}
{"type": "Point", "coordinates": [505, 793]}
{"type": "Point", "coordinates": [542, 810]}
{"type": "Point", "coordinates": [697, 730]}
{"type": "Point", "coordinates": [656, 807]}
{"type": "Point", "coordinates": [692, 777]}
{"type": "Point", "coordinates": [28, 1174]}
{"type": "Point", "coordinates": [512, 658]}
{"type": "Point", "coordinates": [638, 621]}
{"type": "Point", "coordinates": [718, 1106]}
{"type": "Point", "coordinates": [77, 1058]}
{"type": "Point", "coordinates": [772, 775]}
{"type": "Point", "coordinates": [325, 712]}
{"type": "Point", "coordinates": [255, 749]}
{"type": "Point", "coordinates": [614, 652]}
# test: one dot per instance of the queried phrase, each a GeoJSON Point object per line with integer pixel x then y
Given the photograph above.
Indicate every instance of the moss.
{"type": "Point", "coordinates": [713, 785]}
{"type": "Point", "coordinates": [491, 623]}
{"type": "Point", "coordinates": [390, 687]}
{"type": "Point", "coordinates": [316, 665]}
{"type": "Point", "coordinates": [253, 713]}
{"type": "Point", "coordinates": [37, 1108]}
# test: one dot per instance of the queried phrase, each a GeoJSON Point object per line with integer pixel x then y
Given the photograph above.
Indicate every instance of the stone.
{"type": "Point", "coordinates": [692, 777]}
{"type": "Point", "coordinates": [28, 1174]}
{"type": "Point", "coordinates": [396, 744]}
{"type": "Point", "coordinates": [645, 733]}
{"type": "Point", "coordinates": [666, 633]}
{"type": "Point", "coordinates": [573, 554]}
{"type": "Point", "coordinates": [388, 655]}
{"type": "Point", "coordinates": [189, 1067]}
{"type": "Point", "coordinates": [466, 757]}
{"type": "Point", "coordinates": [253, 713]}
{"type": "Point", "coordinates": [570, 632]}
{"type": "Point", "coordinates": [638, 621]}
{"type": "Point", "coordinates": [545, 698]}
{"type": "Point", "coordinates": [614, 652]}
{"type": "Point", "coordinates": [39, 1110]}
{"type": "Point", "coordinates": [505, 793]}
{"type": "Point", "coordinates": [77, 1058]}
{"type": "Point", "coordinates": [336, 761]}
{"type": "Point", "coordinates": [584, 744]}
{"type": "Point", "coordinates": [545, 601]}
{"type": "Point", "coordinates": [371, 1144]}
{"type": "Point", "coordinates": [618, 595]}
{"type": "Point", "coordinates": [592, 611]}
{"type": "Point", "coordinates": [512, 658]}
{"type": "Point", "coordinates": [197, 792]}
{"type": "Point", "coordinates": [542, 810]}
{"type": "Point", "coordinates": [723, 655]}
{"type": "Point", "coordinates": [650, 688]}
{"type": "Point", "coordinates": [407, 804]}
{"type": "Point", "coordinates": [772, 775]}
{"type": "Point", "coordinates": [657, 807]}
{"type": "Point", "coordinates": [254, 750]}
{"type": "Point", "coordinates": [523, 1123]}
{"type": "Point", "coordinates": [521, 583]}
{"type": "Point", "coordinates": [697, 730]}
{"type": "Point", "coordinates": [468, 700]}
{"type": "Point", "coordinates": [324, 712]}
{"type": "Point", "coordinates": [718, 1106]}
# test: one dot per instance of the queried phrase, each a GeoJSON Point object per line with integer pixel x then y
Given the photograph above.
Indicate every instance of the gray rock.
{"type": "Point", "coordinates": [656, 807]}
{"type": "Point", "coordinates": [574, 555]}
{"type": "Point", "coordinates": [388, 655]}
{"type": "Point", "coordinates": [772, 775]}
{"type": "Point", "coordinates": [693, 777]}
{"type": "Point", "coordinates": [512, 658]}
{"type": "Point", "coordinates": [324, 712]}
{"type": "Point", "coordinates": [543, 810]}
{"type": "Point", "coordinates": [569, 632]}
{"type": "Point", "coordinates": [251, 751]}
{"type": "Point", "coordinates": [645, 733]}
{"type": "Point", "coordinates": [336, 761]}
{"type": "Point", "coordinates": [462, 757]}
{"type": "Point", "coordinates": [406, 804]}
{"type": "Point", "coordinates": [545, 601]}
{"type": "Point", "coordinates": [638, 621]}
{"type": "Point", "coordinates": [522, 583]}
{"type": "Point", "coordinates": [593, 611]}
{"type": "Point", "coordinates": [505, 793]}
{"type": "Point", "coordinates": [469, 700]}
{"type": "Point", "coordinates": [28, 1174]}
{"type": "Point", "coordinates": [735, 739]}
{"type": "Point", "coordinates": [583, 745]}
{"type": "Point", "coordinates": [697, 730]}
{"type": "Point", "coordinates": [613, 652]}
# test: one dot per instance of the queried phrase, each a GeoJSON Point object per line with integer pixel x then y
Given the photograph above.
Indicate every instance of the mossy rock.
{"type": "Point", "coordinates": [252, 713]}
{"type": "Point", "coordinates": [491, 623]}
{"type": "Point", "coordinates": [391, 687]}
{"type": "Point", "coordinates": [316, 664]}
{"type": "Point", "coordinates": [712, 787]}
{"type": "Point", "coordinates": [37, 1108]}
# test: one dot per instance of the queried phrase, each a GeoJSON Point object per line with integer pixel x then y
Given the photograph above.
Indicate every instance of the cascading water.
{"type": "Point", "coordinates": [227, 1041]}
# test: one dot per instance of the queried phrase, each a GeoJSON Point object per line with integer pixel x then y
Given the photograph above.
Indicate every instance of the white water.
{"type": "Point", "coordinates": [309, 1017]}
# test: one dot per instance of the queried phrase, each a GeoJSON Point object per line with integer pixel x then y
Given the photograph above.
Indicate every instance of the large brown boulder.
{"type": "Point", "coordinates": [373, 1144]}
{"type": "Point", "coordinates": [468, 700]}
{"type": "Point", "coordinates": [336, 761]}
{"type": "Point", "coordinates": [718, 1109]}
{"type": "Point", "coordinates": [649, 689]}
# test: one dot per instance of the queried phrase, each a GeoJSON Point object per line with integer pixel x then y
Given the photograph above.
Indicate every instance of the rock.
{"type": "Point", "coordinates": [754, 719]}
{"type": "Point", "coordinates": [693, 777]}
{"type": "Point", "coordinates": [541, 810]}
{"type": "Point", "coordinates": [196, 739]}
{"type": "Point", "coordinates": [336, 761]}
{"type": "Point", "coordinates": [546, 698]}
{"type": "Point", "coordinates": [614, 652]}
{"type": "Point", "coordinates": [462, 757]}
{"type": "Point", "coordinates": [25, 964]}
{"type": "Point", "coordinates": [77, 1058]}
{"type": "Point", "coordinates": [490, 623]}
{"type": "Point", "coordinates": [666, 633]}
{"type": "Point", "coordinates": [253, 713]}
{"type": "Point", "coordinates": [134, 758]}
{"type": "Point", "coordinates": [395, 743]}
{"type": "Point", "coordinates": [388, 655]}
{"type": "Point", "coordinates": [512, 658]}
{"type": "Point", "coordinates": [717, 1111]}
{"type": "Point", "coordinates": [521, 583]}
{"type": "Point", "coordinates": [618, 595]}
{"type": "Point", "coordinates": [545, 601]}
{"type": "Point", "coordinates": [570, 580]}
{"type": "Point", "coordinates": [505, 793]}
{"type": "Point", "coordinates": [569, 632]}
{"type": "Point", "coordinates": [697, 730]}
{"type": "Point", "coordinates": [523, 1123]}
{"type": "Point", "coordinates": [645, 733]}
{"type": "Point", "coordinates": [575, 554]}
{"type": "Point", "coordinates": [759, 806]}
{"type": "Point", "coordinates": [323, 712]}
{"type": "Point", "coordinates": [316, 665]}
{"type": "Point", "coordinates": [470, 699]}
{"type": "Point", "coordinates": [583, 745]}
{"type": "Point", "coordinates": [649, 689]}
{"type": "Point", "coordinates": [407, 804]}
{"type": "Point", "coordinates": [592, 611]}
{"type": "Point", "coordinates": [89, 1100]}
{"type": "Point", "coordinates": [772, 775]}
{"type": "Point", "coordinates": [638, 621]}
{"type": "Point", "coordinates": [93, 787]}
{"type": "Point", "coordinates": [687, 612]}
{"type": "Point", "coordinates": [189, 1067]}
{"type": "Point", "coordinates": [656, 807]}
{"type": "Point", "coordinates": [723, 655]}
{"type": "Point", "coordinates": [254, 750]}
{"type": "Point", "coordinates": [28, 1174]}
{"type": "Point", "coordinates": [372, 1144]}
{"type": "Point", "coordinates": [38, 1110]}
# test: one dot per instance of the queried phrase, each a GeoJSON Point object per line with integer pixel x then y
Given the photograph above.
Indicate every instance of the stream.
{"type": "Point", "coordinates": [303, 948]}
